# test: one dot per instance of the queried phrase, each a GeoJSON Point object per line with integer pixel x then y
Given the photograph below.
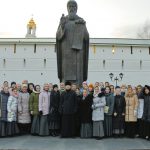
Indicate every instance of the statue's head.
{"type": "Point", "coordinates": [72, 7]}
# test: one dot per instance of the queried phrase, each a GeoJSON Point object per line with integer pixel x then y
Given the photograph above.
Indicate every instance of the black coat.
{"type": "Point", "coordinates": [85, 109]}
{"type": "Point", "coordinates": [68, 103]}
{"type": "Point", "coordinates": [3, 105]}
{"type": "Point", "coordinates": [119, 108]}
{"type": "Point", "coordinates": [54, 106]}
{"type": "Point", "coordinates": [146, 112]}
{"type": "Point", "coordinates": [119, 105]}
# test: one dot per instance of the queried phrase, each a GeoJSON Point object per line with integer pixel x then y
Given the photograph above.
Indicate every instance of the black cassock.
{"type": "Point", "coordinates": [68, 109]}
{"type": "Point", "coordinates": [119, 108]}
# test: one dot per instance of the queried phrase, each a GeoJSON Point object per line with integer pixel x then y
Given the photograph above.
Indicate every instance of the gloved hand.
{"type": "Point", "coordinates": [41, 113]}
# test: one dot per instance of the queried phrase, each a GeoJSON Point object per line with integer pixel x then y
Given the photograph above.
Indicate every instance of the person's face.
{"type": "Point", "coordinates": [14, 92]}
{"type": "Point", "coordinates": [84, 93]}
{"type": "Point", "coordinates": [107, 90]}
{"type": "Point", "coordinates": [24, 88]}
{"type": "Point", "coordinates": [90, 89]}
{"type": "Point", "coordinates": [31, 87]}
{"type": "Point", "coordinates": [6, 89]}
{"type": "Point", "coordinates": [62, 85]}
{"type": "Point", "coordinates": [96, 90]}
{"type": "Point", "coordinates": [84, 85]}
{"type": "Point", "coordinates": [123, 89]}
{"type": "Point", "coordinates": [25, 82]}
{"type": "Point", "coordinates": [19, 87]}
{"type": "Point", "coordinates": [38, 88]}
{"type": "Point", "coordinates": [72, 8]}
{"type": "Point", "coordinates": [106, 84]}
{"type": "Point", "coordinates": [5, 84]}
{"type": "Point", "coordinates": [50, 86]}
{"type": "Point", "coordinates": [77, 91]}
{"type": "Point", "coordinates": [13, 85]}
{"type": "Point", "coordinates": [101, 84]}
{"type": "Point", "coordinates": [56, 89]}
{"type": "Point", "coordinates": [130, 90]}
{"type": "Point", "coordinates": [97, 84]}
{"type": "Point", "coordinates": [68, 87]}
{"type": "Point", "coordinates": [147, 91]}
{"type": "Point", "coordinates": [118, 91]}
{"type": "Point", "coordinates": [139, 89]}
{"type": "Point", "coordinates": [112, 89]}
{"type": "Point", "coordinates": [46, 87]}
{"type": "Point", "coordinates": [74, 87]}
{"type": "Point", "coordinates": [134, 91]}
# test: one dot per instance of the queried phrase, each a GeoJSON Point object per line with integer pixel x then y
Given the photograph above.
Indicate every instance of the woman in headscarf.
{"type": "Point", "coordinates": [24, 119]}
{"type": "Point", "coordinates": [85, 109]}
{"type": "Point", "coordinates": [12, 108]}
{"type": "Point", "coordinates": [44, 103]}
{"type": "Point", "coordinates": [98, 105]}
{"type": "Point", "coordinates": [108, 109]}
{"type": "Point", "coordinates": [131, 112]}
{"type": "Point", "coordinates": [34, 110]}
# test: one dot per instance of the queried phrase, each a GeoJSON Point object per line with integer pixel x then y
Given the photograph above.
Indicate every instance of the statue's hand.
{"type": "Point", "coordinates": [62, 21]}
{"type": "Point", "coordinates": [80, 21]}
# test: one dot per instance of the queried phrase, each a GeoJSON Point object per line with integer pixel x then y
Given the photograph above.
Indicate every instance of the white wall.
{"type": "Point", "coordinates": [40, 65]}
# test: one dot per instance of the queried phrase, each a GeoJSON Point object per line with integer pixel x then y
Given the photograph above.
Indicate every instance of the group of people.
{"type": "Point", "coordinates": [97, 110]}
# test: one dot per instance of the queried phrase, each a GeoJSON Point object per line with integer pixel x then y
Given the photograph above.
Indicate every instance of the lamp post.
{"type": "Point", "coordinates": [116, 79]}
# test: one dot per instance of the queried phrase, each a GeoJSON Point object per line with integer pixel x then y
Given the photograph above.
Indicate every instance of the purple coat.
{"type": "Point", "coordinates": [44, 102]}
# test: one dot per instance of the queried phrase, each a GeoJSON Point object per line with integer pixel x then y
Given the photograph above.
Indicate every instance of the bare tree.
{"type": "Point", "coordinates": [144, 32]}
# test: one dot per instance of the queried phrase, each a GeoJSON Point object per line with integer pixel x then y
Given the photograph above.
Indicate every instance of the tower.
{"type": "Point", "coordinates": [31, 29]}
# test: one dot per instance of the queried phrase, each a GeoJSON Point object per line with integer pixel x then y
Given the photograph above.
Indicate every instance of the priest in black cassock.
{"type": "Point", "coordinates": [72, 46]}
{"type": "Point", "coordinates": [68, 110]}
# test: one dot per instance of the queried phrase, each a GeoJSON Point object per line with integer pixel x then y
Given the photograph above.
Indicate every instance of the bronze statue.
{"type": "Point", "coordinates": [72, 46]}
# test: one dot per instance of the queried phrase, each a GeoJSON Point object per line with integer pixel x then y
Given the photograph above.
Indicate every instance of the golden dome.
{"type": "Point", "coordinates": [31, 23]}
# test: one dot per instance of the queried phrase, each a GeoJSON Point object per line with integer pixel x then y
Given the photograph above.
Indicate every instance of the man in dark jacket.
{"type": "Point", "coordinates": [119, 113]}
{"type": "Point", "coordinates": [68, 109]}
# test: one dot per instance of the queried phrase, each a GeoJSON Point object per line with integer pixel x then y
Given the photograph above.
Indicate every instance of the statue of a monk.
{"type": "Point", "coordinates": [72, 46]}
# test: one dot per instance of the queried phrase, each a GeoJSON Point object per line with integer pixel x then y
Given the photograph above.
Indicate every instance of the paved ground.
{"type": "Point", "coordinates": [50, 143]}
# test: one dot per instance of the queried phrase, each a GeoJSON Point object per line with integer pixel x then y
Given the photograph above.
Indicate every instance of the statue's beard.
{"type": "Point", "coordinates": [72, 16]}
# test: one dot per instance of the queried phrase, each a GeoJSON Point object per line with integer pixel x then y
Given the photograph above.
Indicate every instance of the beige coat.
{"type": "Point", "coordinates": [131, 108]}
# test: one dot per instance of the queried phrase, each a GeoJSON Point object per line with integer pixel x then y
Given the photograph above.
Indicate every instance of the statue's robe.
{"type": "Point", "coordinates": [72, 47]}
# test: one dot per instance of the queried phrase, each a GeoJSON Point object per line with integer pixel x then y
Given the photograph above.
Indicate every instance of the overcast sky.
{"type": "Point", "coordinates": [105, 18]}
